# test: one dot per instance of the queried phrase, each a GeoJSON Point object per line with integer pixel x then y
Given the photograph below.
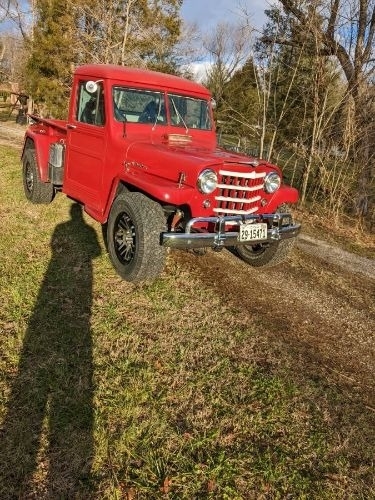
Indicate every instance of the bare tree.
{"type": "Point", "coordinates": [345, 30]}
{"type": "Point", "coordinates": [19, 14]}
{"type": "Point", "coordinates": [229, 46]}
{"type": "Point", "coordinates": [128, 32]}
{"type": "Point", "coordinates": [12, 54]}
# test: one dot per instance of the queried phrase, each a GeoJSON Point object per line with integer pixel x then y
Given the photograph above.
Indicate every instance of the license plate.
{"type": "Point", "coordinates": [253, 232]}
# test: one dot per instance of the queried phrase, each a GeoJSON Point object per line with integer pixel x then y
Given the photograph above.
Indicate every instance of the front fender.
{"type": "Point", "coordinates": [162, 190]}
{"type": "Point", "coordinates": [283, 195]}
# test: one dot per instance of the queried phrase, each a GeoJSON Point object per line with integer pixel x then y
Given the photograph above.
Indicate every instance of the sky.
{"type": "Point", "coordinates": [208, 13]}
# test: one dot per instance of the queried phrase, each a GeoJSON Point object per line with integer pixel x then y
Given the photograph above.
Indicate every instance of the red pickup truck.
{"type": "Point", "coordinates": [139, 152]}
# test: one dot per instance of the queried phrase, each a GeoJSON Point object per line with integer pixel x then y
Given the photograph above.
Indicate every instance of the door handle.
{"type": "Point", "coordinates": [69, 125]}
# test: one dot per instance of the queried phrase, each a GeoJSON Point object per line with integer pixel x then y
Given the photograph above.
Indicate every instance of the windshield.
{"type": "Point", "coordinates": [138, 106]}
{"type": "Point", "coordinates": [147, 106]}
{"type": "Point", "coordinates": [189, 112]}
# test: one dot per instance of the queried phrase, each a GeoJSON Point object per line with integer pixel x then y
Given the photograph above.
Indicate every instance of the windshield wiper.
{"type": "Point", "coordinates": [158, 114]}
{"type": "Point", "coordinates": [179, 115]}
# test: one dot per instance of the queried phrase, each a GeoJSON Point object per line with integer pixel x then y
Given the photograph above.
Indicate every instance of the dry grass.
{"type": "Point", "coordinates": [347, 231]}
{"type": "Point", "coordinates": [176, 389]}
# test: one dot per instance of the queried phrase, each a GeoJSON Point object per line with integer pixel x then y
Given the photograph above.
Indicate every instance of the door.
{"type": "Point", "coordinates": [86, 147]}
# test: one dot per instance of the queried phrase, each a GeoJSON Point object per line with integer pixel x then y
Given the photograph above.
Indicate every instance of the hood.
{"type": "Point", "coordinates": [170, 160]}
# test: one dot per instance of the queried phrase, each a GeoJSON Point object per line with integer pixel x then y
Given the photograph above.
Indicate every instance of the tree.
{"type": "Point", "coordinates": [17, 13]}
{"type": "Point", "coordinates": [128, 32]}
{"type": "Point", "coordinates": [52, 54]}
{"type": "Point", "coordinates": [229, 48]}
{"type": "Point", "coordinates": [71, 32]}
{"type": "Point", "coordinates": [305, 91]}
{"type": "Point", "coordinates": [239, 109]}
{"type": "Point", "coordinates": [12, 55]}
{"type": "Point", "coordinates": [346, 32]}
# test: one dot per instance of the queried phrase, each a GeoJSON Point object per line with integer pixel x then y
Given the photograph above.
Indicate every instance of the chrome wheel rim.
{"type": "Point", "coordinates": [29, 178]}
{"type": "Point", "coordinates": [124, 239]}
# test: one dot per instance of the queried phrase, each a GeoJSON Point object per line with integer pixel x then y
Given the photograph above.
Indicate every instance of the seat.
{"type": "Point", "coordinates": [93, 113]}
{"type": "Point", "coordinates": [149, 113]}
{"type": "Point", "coordinates": [88, 113]}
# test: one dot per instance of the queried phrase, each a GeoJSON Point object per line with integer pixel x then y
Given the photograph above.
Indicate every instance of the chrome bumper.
{"type": "Point", "coordinates": [280, 227]}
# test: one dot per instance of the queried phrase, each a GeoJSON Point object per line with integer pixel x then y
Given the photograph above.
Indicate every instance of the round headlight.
{"type": "Point", "coordinates": [207, 181]}
{"type": "Point", "coordinates": [272, 182]}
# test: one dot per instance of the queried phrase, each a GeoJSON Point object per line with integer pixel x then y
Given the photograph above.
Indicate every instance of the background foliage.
{"type": "Point", "coordinates": [300, 93]}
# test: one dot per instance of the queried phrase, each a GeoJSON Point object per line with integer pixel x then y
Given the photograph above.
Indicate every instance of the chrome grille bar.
{"type": "Point", "coordinates": [238, 190]}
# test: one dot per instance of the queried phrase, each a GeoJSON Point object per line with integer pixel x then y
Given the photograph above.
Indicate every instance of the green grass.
{"type": "Point", "coordinates": [160, 390]}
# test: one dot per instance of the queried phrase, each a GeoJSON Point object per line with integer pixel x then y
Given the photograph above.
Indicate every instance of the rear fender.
{"type": "Point", "coordinates": [40, 144]}
{"type": "Point", "coordinates": [39, 138]}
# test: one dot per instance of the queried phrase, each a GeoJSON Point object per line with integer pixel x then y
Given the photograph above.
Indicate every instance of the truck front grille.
{"type": "Point", "coordinates": [238, 192]}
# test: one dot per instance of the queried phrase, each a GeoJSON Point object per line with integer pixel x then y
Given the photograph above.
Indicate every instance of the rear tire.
{"type": "Point", "coordinates": [133, 237]}
{"type": "Point", "coordinates": [36, 191]}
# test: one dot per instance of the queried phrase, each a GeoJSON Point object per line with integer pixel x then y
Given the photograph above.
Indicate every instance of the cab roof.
{"type": "Point", "coordinates": [143, 77]}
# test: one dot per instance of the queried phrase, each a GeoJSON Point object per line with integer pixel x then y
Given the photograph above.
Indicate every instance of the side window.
{"type": "Point", "coordinates": [90, 106]}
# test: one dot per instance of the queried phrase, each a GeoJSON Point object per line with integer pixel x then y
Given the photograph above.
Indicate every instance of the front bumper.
{"type": "Point", "coordinates": [280, 227]}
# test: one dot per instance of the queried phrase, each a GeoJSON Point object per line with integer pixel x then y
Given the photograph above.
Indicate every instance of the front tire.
{"type": "Point", "coordinates": [36, 191]}
{"type": "Point", "coordinates": [133, 237]}
{"type": "Point", "coordinates": [265, 255]}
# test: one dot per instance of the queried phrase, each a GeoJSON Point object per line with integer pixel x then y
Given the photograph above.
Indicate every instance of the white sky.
{"type": "Point", "coordinates": [208, 13]}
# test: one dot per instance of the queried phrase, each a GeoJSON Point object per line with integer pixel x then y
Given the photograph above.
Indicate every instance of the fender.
{"type": "Point", "coordinates": [158, 188]}
{"type": "Point", "coordinates": [41, 147]}
{"type": "Point", "coordinates": [283, 195]}
{"type": "Point", "coordinates": [41, 137]}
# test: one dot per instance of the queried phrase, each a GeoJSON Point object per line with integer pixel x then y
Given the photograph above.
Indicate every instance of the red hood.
{"type": "Point", "coordinates": [168, 161]}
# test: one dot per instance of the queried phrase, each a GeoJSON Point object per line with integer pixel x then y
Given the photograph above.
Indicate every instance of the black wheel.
{"type": "Point", "coordinates": [133, 237]}
{"type": "Point", "coordinates": [36, 191]}
{"type": "Point", "coordinates": [265, 255]}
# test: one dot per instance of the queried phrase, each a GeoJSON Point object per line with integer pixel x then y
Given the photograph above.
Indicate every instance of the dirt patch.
{"type": "Point", "coordinates": [319, 305]}
{"type": "Point", "coordinates": [11, 134]}
{"type": "Point", "coordinates": [333, 254]}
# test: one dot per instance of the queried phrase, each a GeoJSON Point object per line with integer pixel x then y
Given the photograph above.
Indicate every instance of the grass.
{"type": "Point", "coordinates": [160, 390]}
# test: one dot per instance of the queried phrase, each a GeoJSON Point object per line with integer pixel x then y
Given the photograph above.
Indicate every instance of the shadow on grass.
{"type": "Point", "coordinates": [46, 441]}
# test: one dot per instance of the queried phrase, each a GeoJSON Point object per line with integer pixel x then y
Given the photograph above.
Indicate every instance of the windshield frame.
{"type": "Point", "coordinates": [165, 107]}
{"type": "Point", "coordinates": [189, 112]}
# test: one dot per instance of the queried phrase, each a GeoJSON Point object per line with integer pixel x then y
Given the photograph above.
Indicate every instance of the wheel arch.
{"type": "Point", "coordinates": [120, 186]}
{"type": "Point", "coordinates": [284, 195]}
{"type": "Point", "coordinates": [40, 144]}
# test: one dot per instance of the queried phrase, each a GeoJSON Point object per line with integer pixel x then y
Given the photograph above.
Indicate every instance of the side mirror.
{"type": "Point", "coordinates": [91, 87]}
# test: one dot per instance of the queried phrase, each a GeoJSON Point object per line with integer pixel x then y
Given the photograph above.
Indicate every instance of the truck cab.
{"type": "Point", "coordinates": [139, 151]}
